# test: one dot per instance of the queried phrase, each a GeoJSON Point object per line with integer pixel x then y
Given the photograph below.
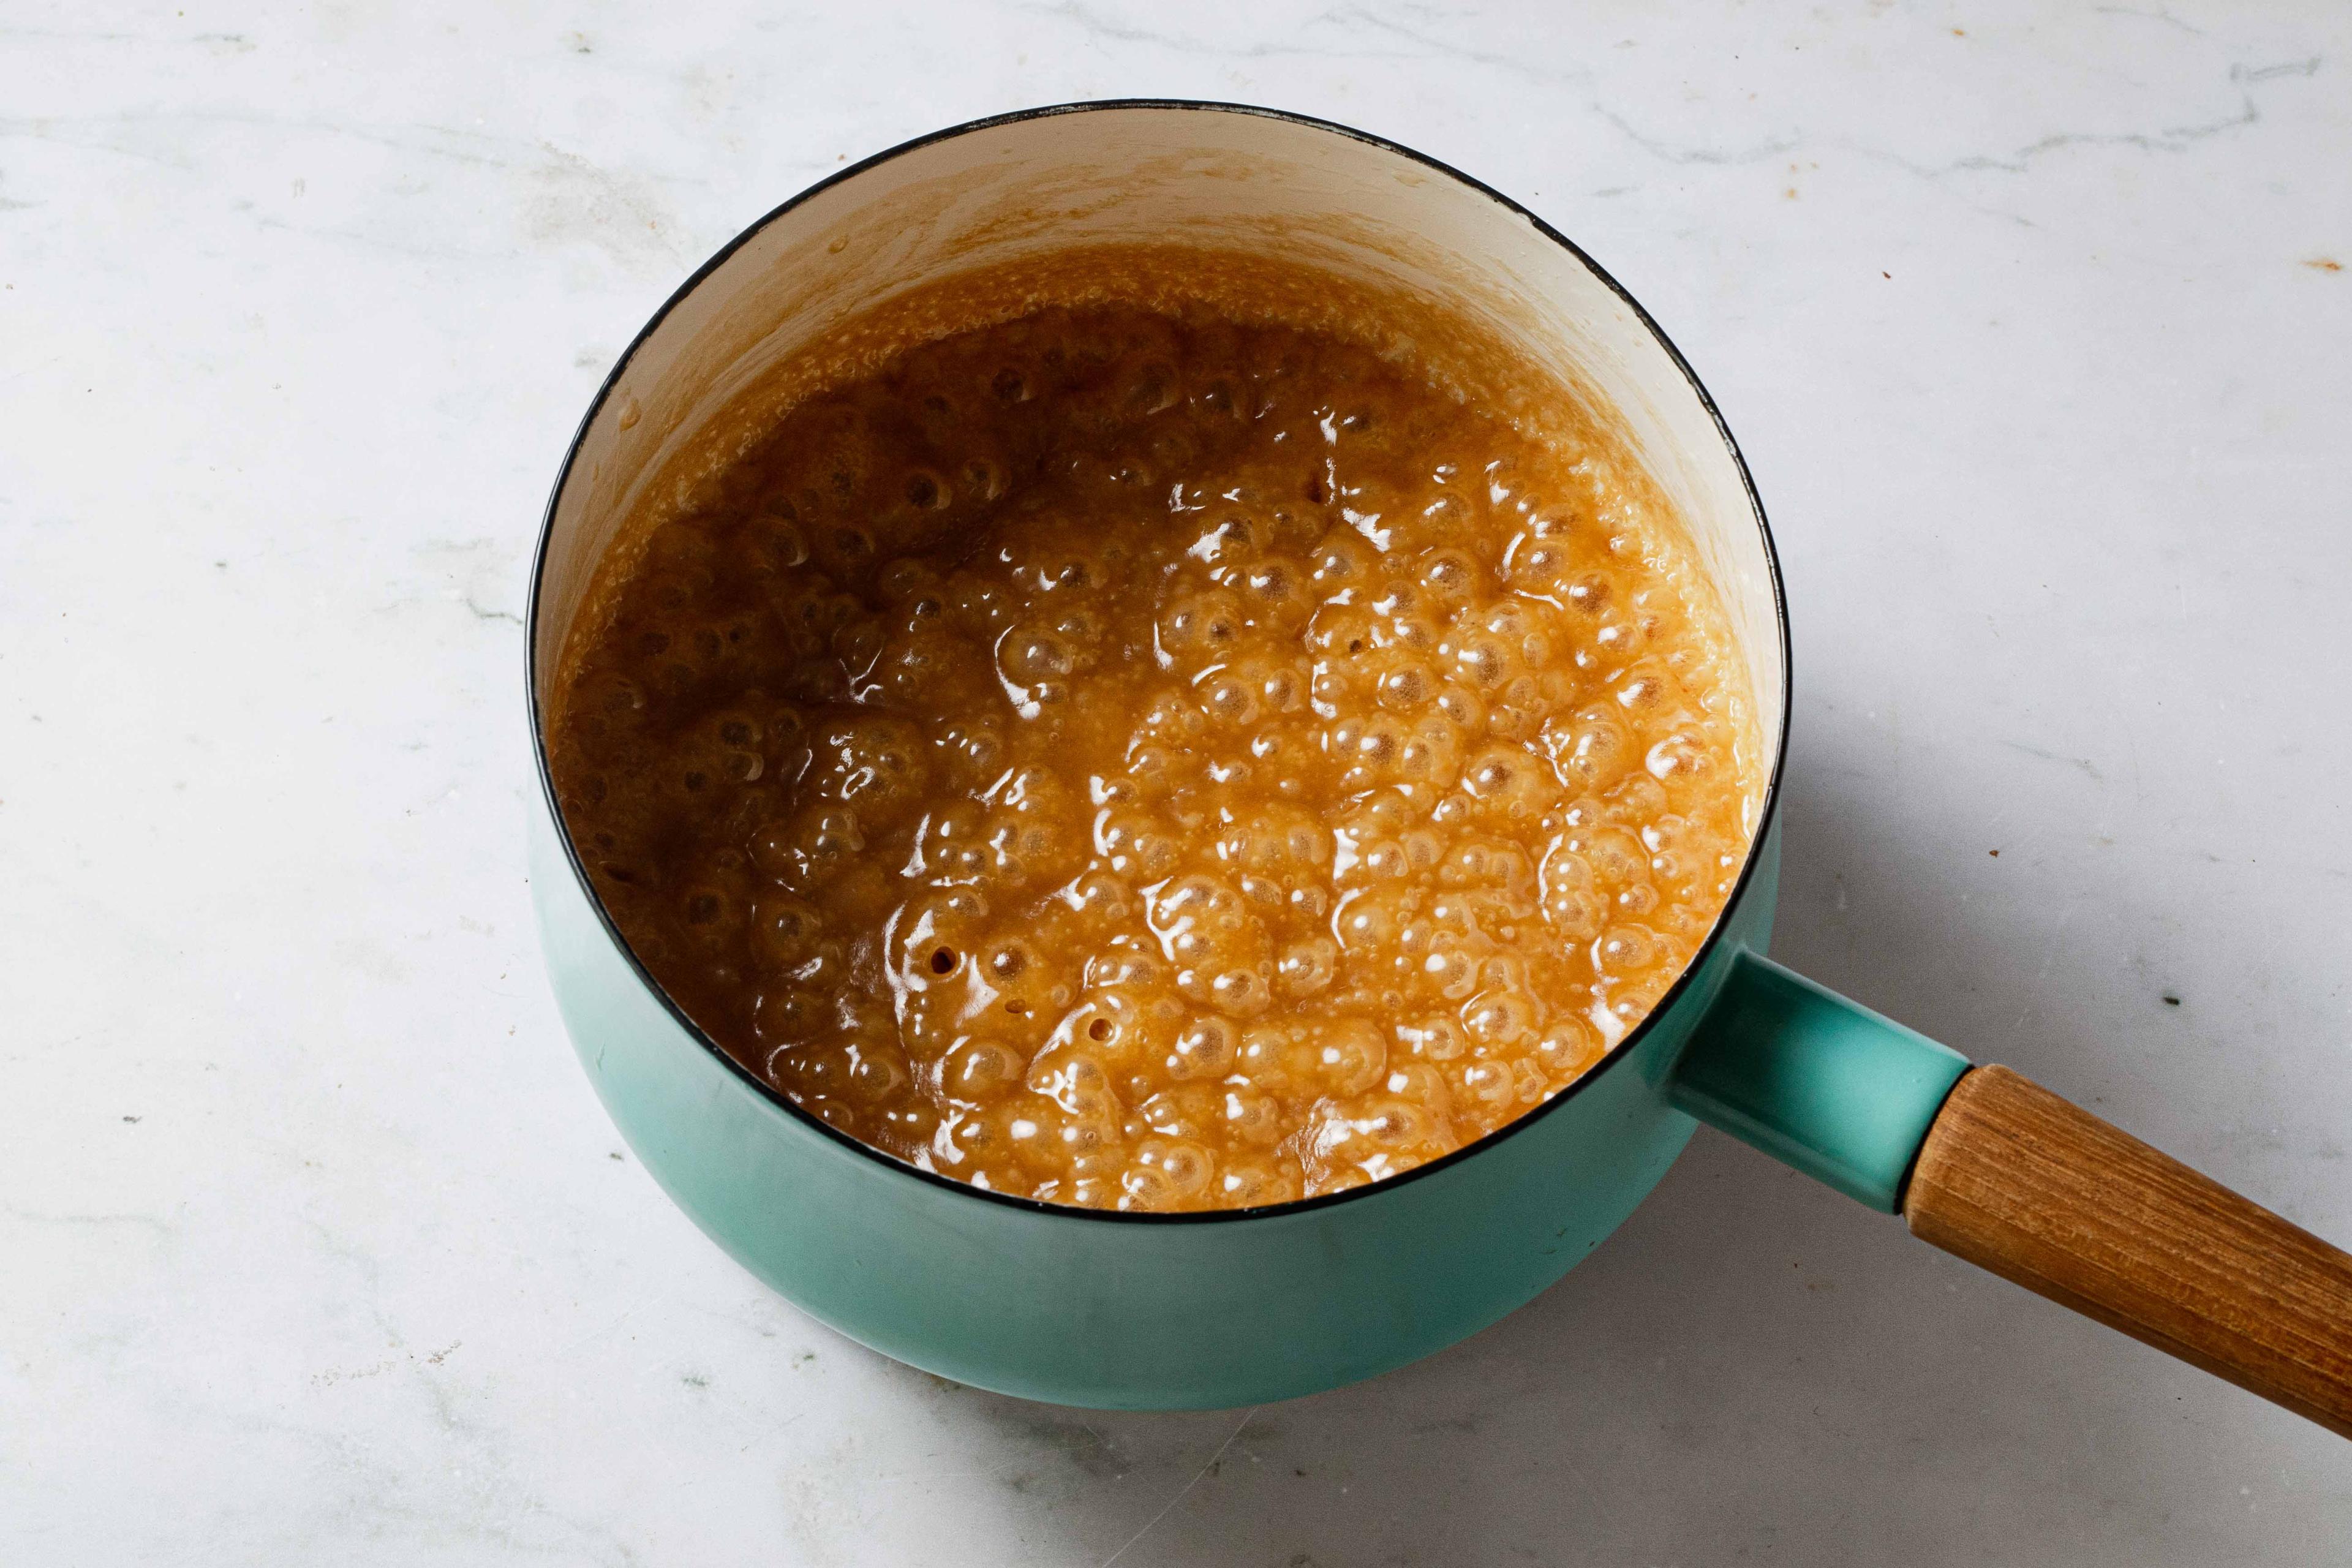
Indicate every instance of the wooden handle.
{"type": "Point", "coordinates": [2041, 1192]}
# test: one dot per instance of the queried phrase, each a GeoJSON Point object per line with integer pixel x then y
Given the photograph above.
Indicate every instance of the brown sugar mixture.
{"type": "Point", "coordinates": [1157, 763]}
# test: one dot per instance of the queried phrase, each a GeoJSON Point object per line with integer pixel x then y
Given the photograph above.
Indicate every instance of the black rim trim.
{"type": "Point", "coordinates": [1616, 1054]}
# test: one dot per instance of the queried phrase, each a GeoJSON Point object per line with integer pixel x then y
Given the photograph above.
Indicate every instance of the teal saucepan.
{"type": "Point", "coordinates": [1241, 1307]}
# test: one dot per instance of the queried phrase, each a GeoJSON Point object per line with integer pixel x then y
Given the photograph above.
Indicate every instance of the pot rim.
{"type": "Point", "coordinates": [1070, 1212]}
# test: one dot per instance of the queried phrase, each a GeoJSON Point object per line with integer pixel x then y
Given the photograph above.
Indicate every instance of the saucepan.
{"type": "Point", "coordinates": [1142, 1310]}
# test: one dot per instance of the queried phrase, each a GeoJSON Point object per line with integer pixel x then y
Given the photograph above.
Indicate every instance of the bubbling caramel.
{"type": "Point", "coordinates": [1134, 760]}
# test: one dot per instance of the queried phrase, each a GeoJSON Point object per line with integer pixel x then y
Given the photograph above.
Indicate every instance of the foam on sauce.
{"type": "Point", "coordinates": [1127, 758]}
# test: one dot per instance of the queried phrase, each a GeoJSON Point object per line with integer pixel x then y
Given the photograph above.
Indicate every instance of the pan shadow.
{"type": "Point", "coordinates": [1753, 1368]}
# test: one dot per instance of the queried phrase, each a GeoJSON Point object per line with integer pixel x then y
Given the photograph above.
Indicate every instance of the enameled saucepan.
{"type": "Point", "coordinates": [1241, 1307]}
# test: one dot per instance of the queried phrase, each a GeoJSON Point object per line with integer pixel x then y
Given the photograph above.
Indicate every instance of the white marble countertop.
{"type": "Point", "coordinates": [314, 1246]}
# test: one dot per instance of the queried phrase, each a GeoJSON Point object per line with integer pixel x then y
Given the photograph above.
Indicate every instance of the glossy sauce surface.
{"type": "Point", "coordinates": [1159, 764]}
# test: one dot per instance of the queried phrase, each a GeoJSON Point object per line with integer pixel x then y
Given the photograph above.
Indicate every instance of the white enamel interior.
{"type": "Point", "coordinates": [1223, 179]}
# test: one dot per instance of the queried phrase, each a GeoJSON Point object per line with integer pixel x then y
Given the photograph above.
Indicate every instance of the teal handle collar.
{"type": "Point", "coordinates": [1815, 1080]}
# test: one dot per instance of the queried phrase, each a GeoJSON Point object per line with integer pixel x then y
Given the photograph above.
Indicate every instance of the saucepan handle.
{"type": "Point", "coordinates": [1991, 1167]}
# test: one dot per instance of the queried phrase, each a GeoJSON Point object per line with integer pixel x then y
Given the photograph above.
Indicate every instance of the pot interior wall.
{"type": "Point", "coordinates": [1012, 194]}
